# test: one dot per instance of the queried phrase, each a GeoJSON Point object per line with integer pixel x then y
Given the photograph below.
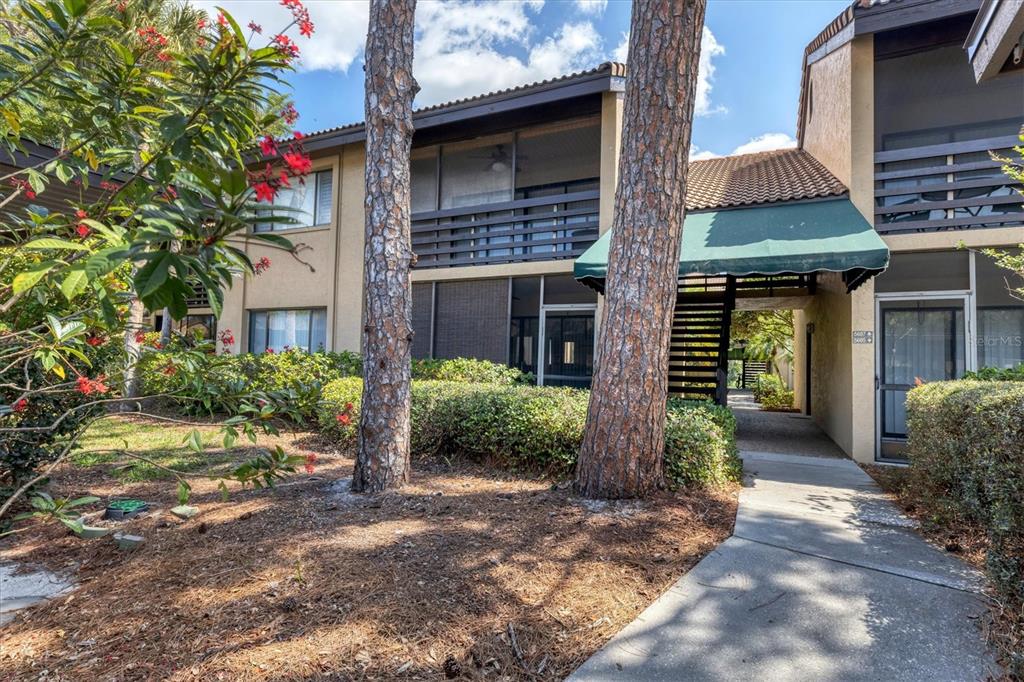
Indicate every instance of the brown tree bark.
{"type": "Point", "coordinates": [383, 457]}
{"type": "Point", "coordinates": [624, 438]}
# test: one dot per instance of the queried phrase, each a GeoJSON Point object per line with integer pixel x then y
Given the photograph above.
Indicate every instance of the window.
{"type": "Point", "coordinates": [1000, 316]}
{"type": "Point", "coordinates": [477, 172]}
{"type": "Point", "coordinates": [278, 330]}
{"type": "Point", "coordinates": [306, 204]}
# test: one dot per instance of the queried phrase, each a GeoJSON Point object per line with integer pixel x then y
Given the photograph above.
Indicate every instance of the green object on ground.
{"type": "Point", "coordinates": [92, 532]}
{"type": "Point", "coordinates": [125, 541]}
{"type": "Point", "coordinates": [799, 237]}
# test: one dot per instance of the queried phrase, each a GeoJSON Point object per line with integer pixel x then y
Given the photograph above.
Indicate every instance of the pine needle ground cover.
{"type": "Point", "coordinates": [467, 573]}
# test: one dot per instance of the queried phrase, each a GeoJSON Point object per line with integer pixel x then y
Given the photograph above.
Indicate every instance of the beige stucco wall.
{"type": "Point", "coordinates": [831, 359]}
{"type": "Point", "coordinates": [347, 315]}
{"type": "Point", "coordinates": [826, 123]}
{"type": "Point", "coordinates": [839, 132]}
{"type": "Point", "coordinates": [326, 270]}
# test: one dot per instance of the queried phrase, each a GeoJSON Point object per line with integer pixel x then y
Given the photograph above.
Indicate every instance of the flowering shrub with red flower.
{"type": "Point", "coordinates": [87, 386]}
{"type": "Point", "coordinates": [261, 266]}
{"type": "Point", "coordinates": [20, 406]}
{"type": "Point", "coordinates": [171, 209]}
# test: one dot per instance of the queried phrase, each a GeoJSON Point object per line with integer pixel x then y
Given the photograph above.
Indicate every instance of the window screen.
{"type": "Point", "coordinates": [471, 320]}
{"type": "Point", "coordinates": [422, 319]}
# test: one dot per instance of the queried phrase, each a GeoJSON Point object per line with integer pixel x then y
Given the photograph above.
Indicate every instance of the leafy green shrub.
{"type": "Point", "coordinates": [206, 382]}
{"type": "Point", "coordinates": [966, 453]}
{"type": "Point", "coordinates": [998, 374]}
{"type": "Point", "coordinates": [468, 370]}
{"type": "Point", "coordinates": [771, 392]}
{"type": "Point", "coordinates": [528, 428]}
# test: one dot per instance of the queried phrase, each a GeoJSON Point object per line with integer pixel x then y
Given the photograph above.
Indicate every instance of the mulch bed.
{"type": "Point", "coordinates": [465, 573]}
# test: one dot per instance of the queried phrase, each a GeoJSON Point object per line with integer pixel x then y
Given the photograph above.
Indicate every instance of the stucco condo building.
{"type": "Point", "coordinates": [861, 229]}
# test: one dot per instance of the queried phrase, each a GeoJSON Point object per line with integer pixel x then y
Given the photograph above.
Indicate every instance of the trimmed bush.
{"type": "Point", "coordinates": [468, 370]}
{"type": "Point", "coordinates": [771, 392]}
{"type": "Point", "coordinates": [998, 374]}
{"type": "Point", "coordinates": [966, 453]}
{"type": "Point", "coordinates": [538, 429]}
{"type": "Point", "coordinates": [215, 383]}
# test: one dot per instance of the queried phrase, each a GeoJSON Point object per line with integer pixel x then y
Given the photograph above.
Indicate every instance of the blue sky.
{"type": "Point", "coordinates": [750, 64]}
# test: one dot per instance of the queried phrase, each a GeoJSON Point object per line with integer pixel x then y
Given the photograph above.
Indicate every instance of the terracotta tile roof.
{"type": "Point", "coordinates": [760, 178]}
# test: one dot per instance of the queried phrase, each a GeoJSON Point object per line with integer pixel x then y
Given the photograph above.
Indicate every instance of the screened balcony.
{"type": "Point", "coordinates": [520, 196]}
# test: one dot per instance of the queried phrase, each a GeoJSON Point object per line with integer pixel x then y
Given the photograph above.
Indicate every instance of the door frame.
{"type": "Point", "coordinates": [966, 298]}
{"type": "Point", "coordinates": [542, 351]}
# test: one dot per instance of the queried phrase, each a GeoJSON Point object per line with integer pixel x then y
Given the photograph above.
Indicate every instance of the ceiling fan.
{"type": "Point", "coordinates": [499, 160]}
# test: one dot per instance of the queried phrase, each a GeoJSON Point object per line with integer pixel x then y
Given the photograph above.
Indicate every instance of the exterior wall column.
{"type": "Point", "coordinates": [611, 146]}
{"type": "Point", "coordinates": [348, 272]}
{"type": "Point", "coordinates": [862, 300]}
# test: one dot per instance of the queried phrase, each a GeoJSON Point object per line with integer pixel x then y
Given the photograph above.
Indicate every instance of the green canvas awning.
{"type": "Point", "coordinates": [798, 237]}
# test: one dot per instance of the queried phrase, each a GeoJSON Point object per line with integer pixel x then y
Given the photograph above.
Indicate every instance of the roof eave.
{"type": "Point", "coordinates": [602, 80]}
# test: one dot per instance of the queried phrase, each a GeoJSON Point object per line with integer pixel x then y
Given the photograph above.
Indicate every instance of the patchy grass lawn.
{"type": "Point", "coordinates": [465, 573]}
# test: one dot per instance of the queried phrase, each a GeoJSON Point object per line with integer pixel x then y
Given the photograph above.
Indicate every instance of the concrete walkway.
{"type": "Point", "coordinates": [823, 579]}
{"type": "Point", "coordinates": [783, 432]}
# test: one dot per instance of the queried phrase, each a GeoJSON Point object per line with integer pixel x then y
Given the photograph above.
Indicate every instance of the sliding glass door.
{"type": "Point", "coordinates": [567, 339]}
{"type": "Point", "coordinates": [921, 340]}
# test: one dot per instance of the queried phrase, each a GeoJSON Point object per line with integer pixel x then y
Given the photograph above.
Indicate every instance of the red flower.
{"type": "Point", "coordinates": [349, 407]}
{"type": "Point", "coordinates": [297, 135]}
{"type": "Point", "coordinates": [221, 19]}
{"type": "Point", "coordinates": [268, 146]}
{"type": "Point", "coordinates": [109, 186]}
{"type": "Point", "coordinates": [83, 230]}
{"type": "Point", "coordinates": [284, 180]}
{"type": "Point", "coordinates": [170, 194]}
{"type": "Point", "coordinates": [20, 406]}
{"type": "Point", "coordinates": [343, 419]}
{"type": "Point", "coordinates": [158, 345]}
{"type": "Point", "coordinates": [298, 163]}
{"type": "Point", "coordinates": [261, 266]}
{"type": "Point", "coordinates": [256, 28]}
{"type": "Point", "coordinates": [310, 461]}
{"type": "Point", "coordinates": [87, 386]}
{"type": "Point", "coordinates": [170, 370]}
{"type": "Point", "coordinates": [80, 213]}
{"type": "Point", "coordinates": [289, 114]}
{"type": "Point", "coordinates": [122, 7]}
{"type": "Point", "coordinates": [140, 336]}
{"type": "Point", "coordinates": [227, 339]}
{"type": "Point", "coordinates": [163, 56]}
{"type": "Point", "coordinates": [285, 45]}
{"type": "Point", "coordinates": [94, 340]}
{"type": "Point", "coordinates": [22, 185]}
{"type": "Point", "coordinates": [152, 37]}
{"type": "Point", "coordinates": [264, 192]}
{"type": "Point", "coordinates": [306, 28]}
{"type": "Point", "coordinates": [269, 351]}
{"type": "Point", "coordinates": [201, 24]}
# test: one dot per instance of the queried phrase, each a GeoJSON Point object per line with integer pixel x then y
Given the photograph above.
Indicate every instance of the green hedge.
{"type": "Point", "coordinates": [771, 392]}
{"type": "Point", "coordinates": [214, 383]}
{"type": "Point", "coordinates": [529, 428]}
{"type": "Point", "coordinates": [966, 452]}
{"type": "Point", "coordinates": [998, 373]}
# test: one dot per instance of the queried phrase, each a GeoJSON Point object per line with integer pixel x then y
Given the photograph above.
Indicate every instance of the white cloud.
{"type": "Point", "coordinates": [340, 34]}
{"type": "Point", "coordinates": [621, 51]}
{"type": "Point", "coordinates": [595, 7]}
{"type": "Point", "coordinates": [697, 154]}
{"type": "Point", "coordinates": [709, 49]}
{"type": "Point", "coordinates": [761, 143]}
{"type": "Point", "coordinates": [766, 142]}
{"type": "Point", "coordinates": [465, 49]}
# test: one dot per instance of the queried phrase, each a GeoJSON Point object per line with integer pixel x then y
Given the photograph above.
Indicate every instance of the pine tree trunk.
{"type": "Point", "coordinates": [383, 458]}
{"type": "Point", "coordinates": [624, 438]}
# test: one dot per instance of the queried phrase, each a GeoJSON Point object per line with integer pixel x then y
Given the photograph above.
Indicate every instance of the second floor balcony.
{"type": "Point", "coordinates": [520, 196]}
